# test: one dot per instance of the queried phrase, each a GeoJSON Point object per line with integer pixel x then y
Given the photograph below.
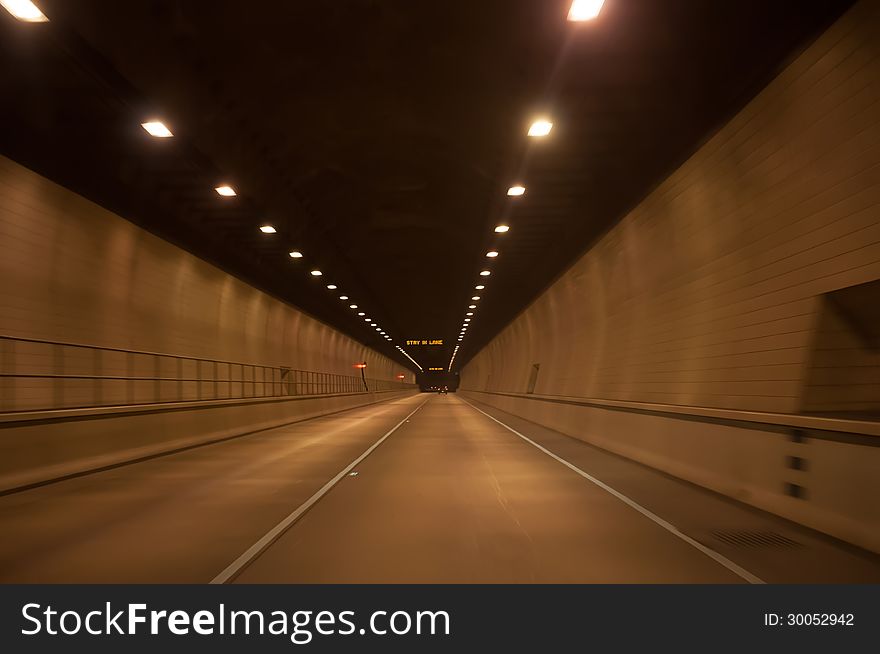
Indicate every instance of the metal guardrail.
{"type": "Point", "coordinates": [40, 375]}
{"type": "Point", "coordinates": [857, 431]}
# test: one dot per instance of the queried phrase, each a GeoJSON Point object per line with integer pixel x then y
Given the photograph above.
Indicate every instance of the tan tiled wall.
{"type": "Point", "coordinates": [707, 293]}
{"type": "Point", "coordinates": [72, 271]}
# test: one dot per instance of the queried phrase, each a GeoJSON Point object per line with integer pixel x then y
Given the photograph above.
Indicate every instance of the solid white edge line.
{"type": "Point", "coordinates": [672, 529]}
{"type": "Point", "coordinates": [273, 534]}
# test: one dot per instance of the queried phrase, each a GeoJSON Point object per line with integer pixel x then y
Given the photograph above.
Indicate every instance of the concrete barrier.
{"type": "Point", "coordinates": [40, 446]}
{"type": "Point", "coordinates": [819, 472]}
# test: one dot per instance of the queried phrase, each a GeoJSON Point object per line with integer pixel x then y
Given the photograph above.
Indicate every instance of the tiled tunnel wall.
{"type": "Point", "coordinates": [74, 272]}
{"type": "Point", "coordinates": [708, 292]}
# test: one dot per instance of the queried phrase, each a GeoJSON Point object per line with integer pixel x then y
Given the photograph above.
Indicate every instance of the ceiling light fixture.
{"type": "Point", "coordinates": [582, 10]}
{"type": "Point", "coordinates": [343, 297]}
{"type": "Point", "coordinates": [316, 273]}
{"type": "Point", "coordinates": [352, 306]}
{"type": "Point", "coordinates": [267, 229]}
{"type": "Point", "coordinates": [492, 254]}
{"type": "Point", "coordinates": [479, 287]}
{"type": "Point", "coordinates": [540, 127]}
{"type": "Point", "coordinates": [472, 306]}
{"type": "Point", "coordinates": [331, 287]}
{"type": "Point", "coordinates": [226, 191]}
{"type": "Point", "coordinates": [485, 273]}
{"type": "Point", "coordinates": [24, 10]}
{"type": "Point", "coordinates": [501, 229]}
{"type": "Point", "coordinates": [295, 254]}
{"type": "Point", "coordinates": [158, 129]}
{"type": "Point", "coordinates": [361, 313]}
{"type": "Point", "coordinates": [475, 298]}
{"type": "Point", "coordinates": [516, 191]}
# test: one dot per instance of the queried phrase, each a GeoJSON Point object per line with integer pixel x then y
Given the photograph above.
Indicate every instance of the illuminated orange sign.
{"type": "Point", "coordinates": [424, 341]}
{"type": "Point", "coordinates": [436, 369]}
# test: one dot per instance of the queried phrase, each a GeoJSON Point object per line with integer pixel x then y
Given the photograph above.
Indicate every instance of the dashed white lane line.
{"type": "Point", "coordinates": [234, 568]}
{"type": "Point", "coordinates": [672, 529]}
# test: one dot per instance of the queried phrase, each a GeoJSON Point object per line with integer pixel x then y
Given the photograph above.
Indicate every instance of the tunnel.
{"type": "Point", "coordinates": [461, 293]}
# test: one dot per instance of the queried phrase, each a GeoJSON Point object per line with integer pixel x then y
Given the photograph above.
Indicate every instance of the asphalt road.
{"type": "Point", "coordinates": [445, 494]}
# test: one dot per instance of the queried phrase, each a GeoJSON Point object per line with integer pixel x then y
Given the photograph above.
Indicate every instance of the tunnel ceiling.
{"type": "Point", "coordinates": [380, 136]}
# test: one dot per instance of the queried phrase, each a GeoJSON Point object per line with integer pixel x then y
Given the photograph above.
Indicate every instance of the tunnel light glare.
{"type": "Point", "coordinates": [24, 10]}
{"type": "Point", "coordinates": [540, 127]}
{"type": "Point", "coordinates": [352, 306]}
{"type": "Point", "coordinates": [479, 287]}
{"type": "Point", "coordinates": [226, 191]}
{"type": "Point", "coordinates": [331, 287]}
{"type": "Point", "coordinates": [582, 10]}
{"type": "Point", "coordinates": [502, 229]}
{"type": "Point", "coordinates": [366, 320]}
{"type": "Point", "coordinates": [267, 229]}
{"type": "Point", "coordinates": [316, 273]}
{"type": "Point", "coordinates": [372, 324]}
{"type": "Point", "coordinates": [475, 298]}
{"type": "Point", "coordinates": [472, 306]}
{"type": "Point", "coordinates": [469, 313]}
{"type": "Point", "coordinates": [158, 129]}
{"type": "Point", "coordinates": [361, 313]}
{"type": "Point", "coordinates": [516, 191]}
{"type": "Point", "coordinates": [492, 254]}
{"type": "Point", "coordinates": [485, 273]}
{"type": "Point", "coordinates": [295, 254]}
{"type": "Point", "coordinates": [467, 319]}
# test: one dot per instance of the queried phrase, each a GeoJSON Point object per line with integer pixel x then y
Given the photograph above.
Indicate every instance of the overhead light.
{"type": "Point", "coordinates": [469, 313]}
{"type": "Point", "coordinates": [352, 306]}
{"type": "Point", "coordinates": [331, 287]}
{"type": "Point", "coordinates": [383, 333]}
{"type": "Point", "coordinates": [584, 10]}
{"type": "Point", "coordinates": [295, 254]}
{"type": "Point", "coordinates": [226, 191]}
{"type": "Point", "coordinates": [361, 313]}
{"type": "Point", "coordinates": [492, 254]}
{"type": "Point", "coordinates": [267, 229]}
{"type": "Point", "coordinates": [501, 229]}
{"type": "Point", "coordinates": [540, 127]}
{"type": "Point", "coordinates": [366, 320]}
{"type": "Point", "coordinates": [479, 287]}
{"type": "Point", "coordinates": [372, 324]}
{"type": "Point", "coordinates": [475, 298]}
{"type": "Point", "coordinates": [516, 190]}
{"type": "Point", "coordinates": [472, 306]}
{"type": "Point", "coordinates": [24, 10]}
{"type": "Point", "coordinates": [467, 319]}
{"type": "Point", "coordinates": [485, 273]}
{"type": "Point", "coordinates": [157, 129]}
{"type": "Point", "coordinates": [316, 273]}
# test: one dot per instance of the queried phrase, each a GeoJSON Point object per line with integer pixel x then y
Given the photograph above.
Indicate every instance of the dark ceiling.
{"type": "Point", "coordinates": [380, 136]}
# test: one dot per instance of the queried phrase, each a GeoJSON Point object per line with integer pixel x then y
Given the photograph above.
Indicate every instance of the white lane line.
{"type": "Point", "coordinates": [672, 529]}
{"type": "Point", "coordinates": [273, 534]}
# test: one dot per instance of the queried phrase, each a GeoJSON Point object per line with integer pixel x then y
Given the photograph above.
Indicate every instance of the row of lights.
{"type": "Point", "coordinates": [160, 130]}
{"type": "Point", "coordinates": [580, 10]}
{"type": "Point", "coordinates": [27, 11]}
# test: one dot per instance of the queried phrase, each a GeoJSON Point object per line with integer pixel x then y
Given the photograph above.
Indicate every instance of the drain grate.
{"type": "Point", "coordinates": [755, 539]}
